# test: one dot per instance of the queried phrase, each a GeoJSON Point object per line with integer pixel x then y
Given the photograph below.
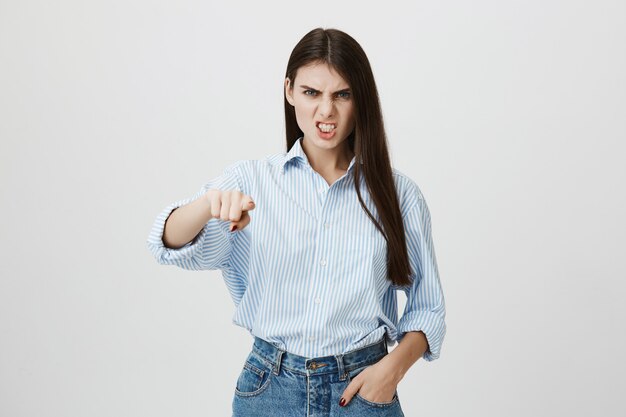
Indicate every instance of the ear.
{"type": "Point", "coordinates": [288, 91]}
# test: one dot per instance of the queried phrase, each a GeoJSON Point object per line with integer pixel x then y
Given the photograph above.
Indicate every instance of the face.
{"type": "Point", "coordinates": [320, 95]}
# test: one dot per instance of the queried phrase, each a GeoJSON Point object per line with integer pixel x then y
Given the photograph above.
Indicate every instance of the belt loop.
{"type": "Point", "coordinates": [278, 361]}
{"type": "Point", "coordinates": [340, 368]}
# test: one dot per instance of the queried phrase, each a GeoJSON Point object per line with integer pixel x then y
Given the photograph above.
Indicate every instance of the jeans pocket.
{"type": "Point", "coordinates": [393, 401]}
{"type": "Point", "coordinates": [254, 377]}
{"type": "Point", "coordinates": [352, 374]}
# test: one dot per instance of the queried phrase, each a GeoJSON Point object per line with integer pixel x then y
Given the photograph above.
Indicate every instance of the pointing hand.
{"type": "Point", "coordinates": [230, 205]}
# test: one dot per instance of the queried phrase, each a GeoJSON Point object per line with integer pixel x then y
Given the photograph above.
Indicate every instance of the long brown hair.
{"type": "Point", "coordinates": [367, 141]}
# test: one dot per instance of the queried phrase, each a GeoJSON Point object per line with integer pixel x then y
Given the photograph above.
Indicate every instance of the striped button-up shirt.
{"type": "Point", "coordinates": [308, 273]}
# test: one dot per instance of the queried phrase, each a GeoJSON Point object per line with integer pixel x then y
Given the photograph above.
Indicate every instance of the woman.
{"type": "Point", "coordinates": [311, 260]}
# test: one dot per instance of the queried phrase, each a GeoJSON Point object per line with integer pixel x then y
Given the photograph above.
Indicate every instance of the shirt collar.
{"type": "Point", "coordinates": [296, 152]}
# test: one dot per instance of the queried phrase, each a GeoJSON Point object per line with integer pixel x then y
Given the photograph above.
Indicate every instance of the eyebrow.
{"type": "Point", "coordinates": [306, 87]}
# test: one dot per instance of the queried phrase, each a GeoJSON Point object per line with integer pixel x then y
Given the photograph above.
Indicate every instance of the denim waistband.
{"type": "Point", "coordinates": [340, 364]}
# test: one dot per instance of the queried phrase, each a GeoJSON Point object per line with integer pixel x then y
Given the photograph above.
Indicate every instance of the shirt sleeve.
{"type": "Point", "coordinates": [211, 248]}
{"type": "Point", "coordinates": [425, 306]}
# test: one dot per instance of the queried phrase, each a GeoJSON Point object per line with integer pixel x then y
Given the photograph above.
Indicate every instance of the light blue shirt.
{"type": "Point", "coordinates": [308, 273]}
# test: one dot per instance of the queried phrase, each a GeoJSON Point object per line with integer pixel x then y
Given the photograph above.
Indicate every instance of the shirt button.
{"type": "Point", "coordinates": [327, 225]}
{"type": "Point", "coordinates": [323, 262]}
{"type": "Point", "coordinates": [318, 300]}
{"type": "Point", "coordinates": [311, 338]}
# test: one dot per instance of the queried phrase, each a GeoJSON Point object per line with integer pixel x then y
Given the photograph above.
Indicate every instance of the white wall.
{"type": "Point", "coordinates": [510, 116]}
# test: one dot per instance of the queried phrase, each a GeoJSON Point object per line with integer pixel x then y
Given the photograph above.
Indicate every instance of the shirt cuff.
{"type": "Point", "coordinates": [192, 256]}
{"type": "Point", "coordinates": [431, 324]}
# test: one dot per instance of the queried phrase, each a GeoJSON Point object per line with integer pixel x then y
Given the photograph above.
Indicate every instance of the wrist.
{"type": "Point", "coordinates": [207, 203]}
{"type": "Point", "coordinates": [395, 366]}
{"type": "Point", "coordinates": [408, 351]}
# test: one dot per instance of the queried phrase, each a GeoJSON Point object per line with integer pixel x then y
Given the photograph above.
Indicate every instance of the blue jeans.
{"type": "Point", "coordinates": [276, 383]}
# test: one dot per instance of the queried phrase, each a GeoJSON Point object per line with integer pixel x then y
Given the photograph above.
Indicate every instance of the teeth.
{"type": "Point", "coordinates": [326, 128]}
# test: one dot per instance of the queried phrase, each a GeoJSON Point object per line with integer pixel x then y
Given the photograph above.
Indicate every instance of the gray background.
{"type": "Point", "coordinates": [510, 115]}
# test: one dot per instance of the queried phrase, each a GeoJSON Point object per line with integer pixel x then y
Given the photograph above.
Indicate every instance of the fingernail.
{"type": "Point", "coordinates": [251, 203]}
{"type": "Point", "coordinates": [342, 402]}
{"type": "Point", "coordinates": [233, 228]}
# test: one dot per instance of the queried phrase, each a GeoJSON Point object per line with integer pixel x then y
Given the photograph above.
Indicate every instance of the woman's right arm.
{"type": "Point", "coordinates": [186, 222]}
{"type": "Point", "coordinates": [195, 239]}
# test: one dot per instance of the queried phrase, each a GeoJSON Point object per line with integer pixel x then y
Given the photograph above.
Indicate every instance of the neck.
{"type": "Point", "coordinates": [328, 160]}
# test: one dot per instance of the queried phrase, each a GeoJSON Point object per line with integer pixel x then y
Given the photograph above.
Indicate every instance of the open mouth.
{"type": "Point", "coordinates": [326, 127]}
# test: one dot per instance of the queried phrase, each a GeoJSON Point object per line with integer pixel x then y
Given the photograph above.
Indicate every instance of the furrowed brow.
{"type": "Point", "coordinates": [306, 87]}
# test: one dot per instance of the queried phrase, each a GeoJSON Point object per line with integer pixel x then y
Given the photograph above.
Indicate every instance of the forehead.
{"type": "Point", "coordinates": [320, 76]}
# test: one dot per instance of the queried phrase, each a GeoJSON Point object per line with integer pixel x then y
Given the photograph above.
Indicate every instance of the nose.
{"type": "Point", "coordinates": [326, 107]}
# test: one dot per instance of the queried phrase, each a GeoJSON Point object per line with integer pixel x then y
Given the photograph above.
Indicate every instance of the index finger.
{"type": "Point", "coordinates": [247, 203]}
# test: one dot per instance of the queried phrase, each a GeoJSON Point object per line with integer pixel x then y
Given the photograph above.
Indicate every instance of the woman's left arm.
{"type": "Point", "coordinates": [421, 328]}
{"type": "Point", "coordinates": [384, 376]}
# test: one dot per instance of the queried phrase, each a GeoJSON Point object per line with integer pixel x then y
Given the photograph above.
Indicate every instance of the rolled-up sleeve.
{"type": "Point", "coordinates": [211, 248]}
{"type": "Point", "coordinates": [425, 306]}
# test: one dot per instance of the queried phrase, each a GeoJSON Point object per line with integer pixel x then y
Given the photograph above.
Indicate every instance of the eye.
{"type": "Point", "coordinates": [344, 94]}
{"type": "Point", "coordinates": [313, 92]}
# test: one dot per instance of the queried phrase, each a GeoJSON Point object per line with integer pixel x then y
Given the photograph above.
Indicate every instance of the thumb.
{"type": "Point", "coordinates": [243, 221]}
{"type": "Point", "coordinates": [352, 388]}
{"type": "Point", "coordinates": [246, 205]}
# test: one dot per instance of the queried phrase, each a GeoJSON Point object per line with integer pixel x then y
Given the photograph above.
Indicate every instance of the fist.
{"type": "Point", "coordinates": [230, 205]}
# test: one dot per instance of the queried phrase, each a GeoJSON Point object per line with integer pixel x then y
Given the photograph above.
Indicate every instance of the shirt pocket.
{"type": "Point", "coordinates": [363, 257]}
{"type": "Point", "coordinates": [353, 256]}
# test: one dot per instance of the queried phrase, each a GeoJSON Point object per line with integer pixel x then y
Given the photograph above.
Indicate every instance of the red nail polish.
{"type": "Point", "coordinates": [342, 402]}
{"type": "Point", "coordinates": [234, 228]}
